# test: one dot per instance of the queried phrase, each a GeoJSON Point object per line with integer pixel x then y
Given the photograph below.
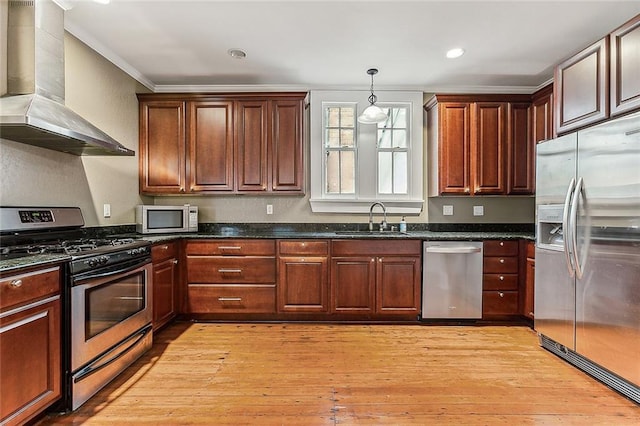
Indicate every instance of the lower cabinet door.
{"type": "Point", "coordinates": [353, 284]}
{"type": "Point", "coordinates": [30, 370]}
{"type": "Point", "coordinates": [303, 284]}
{"type": "Point", "coordinates": [398, 285]}
{"type": "Point", "coordinates": [164, 302]}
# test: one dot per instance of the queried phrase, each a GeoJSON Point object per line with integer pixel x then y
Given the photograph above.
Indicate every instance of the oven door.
{"type": "Point", "coordinates": [107, 307]}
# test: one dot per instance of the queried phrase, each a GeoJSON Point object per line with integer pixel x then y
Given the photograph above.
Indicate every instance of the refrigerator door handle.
{"type": "Point", "coordinates": [578, 260]}
{"type": "Point", "coordinates": [566, 227]}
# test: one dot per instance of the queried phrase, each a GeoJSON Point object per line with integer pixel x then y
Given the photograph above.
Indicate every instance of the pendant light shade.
{"type": "Point", "coordinates": [372, 114]}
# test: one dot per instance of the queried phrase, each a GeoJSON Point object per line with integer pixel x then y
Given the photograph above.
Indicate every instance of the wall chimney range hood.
{"type": "Point", "coordinates": [33, 111]}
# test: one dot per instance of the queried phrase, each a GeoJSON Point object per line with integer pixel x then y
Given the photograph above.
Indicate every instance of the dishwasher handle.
{"type": "Point", "coordinates": [453, 250]}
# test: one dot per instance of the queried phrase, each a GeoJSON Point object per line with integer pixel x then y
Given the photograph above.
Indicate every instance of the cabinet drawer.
{"type": "Point", "coordinates": [164, 251]}
{"type": "Point", "coordinates": [499, 303]}
{"type": "Point", "coordinates": [376, 247]}
{"type": "Point", "coordinates": [213, 298]}
{"type": "Point", "coordinates": [22, 288]}
{"type": "Point", "coordinates": [500, 248]}
{"type": "Point", "coordinates": [232, 247]}
{"type": "Point", "coordinates": [299, 248]}
{"type": "Point", "coordinates": [209, 269]}
{"type": "Point", "coordinates": [500, 282]}
{"type": "Point", "coordinates": [500, 265]}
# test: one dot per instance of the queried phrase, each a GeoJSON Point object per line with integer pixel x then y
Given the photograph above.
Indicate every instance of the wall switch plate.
{"type": "Point", "coordinates": [478, 210]}
{"type": "Point", "coordinates": [269, 208]}
{"type": "Point", "coordinates": [106, 210]}
{"type": "Point", "coordinates": [447, 210]}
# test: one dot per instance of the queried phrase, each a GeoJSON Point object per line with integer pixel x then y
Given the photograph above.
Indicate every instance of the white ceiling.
{"type": "Point", "coordinates": [171, 45]}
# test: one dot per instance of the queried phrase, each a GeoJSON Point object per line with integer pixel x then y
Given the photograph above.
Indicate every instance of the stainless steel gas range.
{"type": "Point", "coordinates": [106, 297]}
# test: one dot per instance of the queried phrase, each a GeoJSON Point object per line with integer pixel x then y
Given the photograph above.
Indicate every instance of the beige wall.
{"type": "Point", "coordinates": [105, 95]}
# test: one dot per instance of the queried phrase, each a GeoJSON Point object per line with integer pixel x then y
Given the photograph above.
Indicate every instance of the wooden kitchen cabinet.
{"type": "Point", "coordinates": [230, 277]}
{"type": "Point", "coordinates": [529, 281]}
{"type": "Point", "coordinates": [542, 115]}
{"type": "Point", "coordinates": [303, 276]}
{"type": "Point", "coordinates": [500, 279]}
{"type": "Point", "coordinates": [625, 67]}
{"type": "Point", "coordinates": [221, 143]}
{"type": "Point", "coordinates": [30, 343]}
{"type": "Point", "coordinates": [373, 279]}
{"type": "Point", "coordinates": [162, 156]}
{"type": "Point", "coordinates": [165, 282]}
{"type": "Point", "coordinates": [581, 88]}
{"type": "Point", "coordinates": [483, 144]}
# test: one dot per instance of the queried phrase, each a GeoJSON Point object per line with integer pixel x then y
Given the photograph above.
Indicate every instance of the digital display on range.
{"type": "Point", "coordinates": [35, 216]}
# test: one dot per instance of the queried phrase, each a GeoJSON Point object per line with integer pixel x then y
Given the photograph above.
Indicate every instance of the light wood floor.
{"type": "Point", "coordinates": [307, 374]}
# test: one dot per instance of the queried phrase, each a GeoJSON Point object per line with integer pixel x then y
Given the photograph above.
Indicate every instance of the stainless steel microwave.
{"type": "Point", "coordinates": [166, 219]}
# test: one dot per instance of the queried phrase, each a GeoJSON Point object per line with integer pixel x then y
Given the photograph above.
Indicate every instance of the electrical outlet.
{"type": "Point", "coordinates": [447, 210]}
{"type": "Point", "coordinates": [106, 210]}
{"type": "Point", "coordinates": [269, 208]}
{"type": "Point", "coordinates": [478, 210]}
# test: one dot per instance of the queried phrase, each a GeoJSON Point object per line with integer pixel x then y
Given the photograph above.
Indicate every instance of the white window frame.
{"type": "Point", "coordinates": [366, 141]}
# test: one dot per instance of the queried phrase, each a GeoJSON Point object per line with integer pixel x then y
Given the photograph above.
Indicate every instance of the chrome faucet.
{"type": "Point", "coordinates": [383, 224]}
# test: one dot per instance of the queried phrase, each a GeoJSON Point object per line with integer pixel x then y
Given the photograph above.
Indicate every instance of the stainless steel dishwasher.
{"type": "Point", "coordinates": [452, 280]}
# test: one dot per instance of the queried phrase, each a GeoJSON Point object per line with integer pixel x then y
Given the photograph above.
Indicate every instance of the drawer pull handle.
{"type": "Point", "coordinates": [501, 278]}
{"type": "Point", "coordinates": [230, 271]}
{"type": "Point", "coordinates": [501, 260]}
{"type": "Point", "coordinates": [16, 283]}
{"type": "Point", "coordinates": [229, 299]}
{"type": "Point", "coordinates": [501, 294]}
{"type": "Point", "coordinates": [230, 247]}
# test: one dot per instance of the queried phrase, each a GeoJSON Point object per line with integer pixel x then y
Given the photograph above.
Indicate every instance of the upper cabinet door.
{"type": "Point", "coordinates": [211, 146]}
{"type": "Point", "coordinates": [488, 150]}
{"type": "Point", "coordinates": [581, 89]}
{"type": "Point", "coordinates": [542, 115]}
{"type": "Point", "coordinates": [625, 67]}
{"type": "Point", "coordinates": [162, 166]}
{"type": "Point", "coordinates": [252, 133]}
{"type": "Point", "coordinates": [286, 146]}
{"type": "Point", "coordinates": [520, 150]}
{"type": "Point", "coordinates": [454, 147]}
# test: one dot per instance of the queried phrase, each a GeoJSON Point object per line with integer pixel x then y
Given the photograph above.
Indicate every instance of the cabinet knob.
{"type": "Point", "coordinates": [467, 190]}
{"type": "Point", "coordinates": [372, 259]}
{"type": "Point", "coordinates": [182, 190]}
{"type": "Point", "coordinates": [175, 261]}
{"type": "Point", "coordinates": [16, 283]}
{"type": "Point", "coordinates": [165, 247]}
{"type": "Point", "coordinates": [501, 260]}
{"type": "Point", "coordinates": [501, 243]}
{"type": "Point", "coordinates": [501, 294]}
{"type": "Point", "coordinates": [501, 278]}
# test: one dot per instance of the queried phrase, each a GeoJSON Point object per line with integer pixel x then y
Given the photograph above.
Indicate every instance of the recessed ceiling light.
{"type": "Point", "coordinates": [455, 53]}
{"type": "Point", "coordinates": [237, 53]}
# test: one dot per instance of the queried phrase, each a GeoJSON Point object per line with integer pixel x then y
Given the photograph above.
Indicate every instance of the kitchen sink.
{"type": "Point", "coordinates": [367, 232]}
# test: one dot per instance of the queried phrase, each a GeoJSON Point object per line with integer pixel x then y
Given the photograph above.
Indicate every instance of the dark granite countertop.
{"type": "Point", "coordinates": [433, 232]}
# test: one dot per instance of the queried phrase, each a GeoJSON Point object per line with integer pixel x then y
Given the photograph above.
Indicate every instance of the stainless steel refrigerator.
{"type": "Point", "coordinates": [587, 275]}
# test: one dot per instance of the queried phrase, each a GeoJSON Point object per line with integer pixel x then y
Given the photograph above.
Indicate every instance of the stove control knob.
{"type": "Point", "coordinates": [104, 259]}
{"type": "Point", "coordinates": [92, 263]}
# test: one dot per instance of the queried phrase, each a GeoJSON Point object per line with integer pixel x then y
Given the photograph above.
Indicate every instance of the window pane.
{"type": "Point", "coordinates": [333, 172]}
{"type": "Point", "coordinates": [347, 172]}
{"type": "Point", "coordinates": [332, 118]}
{"type": "Point", "coordinates": [347, 117]}
{"type": "Point", "coordinates": [384, 138]}
{"type": "Point", "coordinates": [346, 137]}
{"type": "Point", "coordinates": [332, 138]}
{"type": "Point", "coordinates": [399, 118]}
{"type": "Point", "coordinates": [400, 178]}
{"type": "Point", "coordinates": [385, 169]}
{"type": "Point", "coordinates": [399, 138]}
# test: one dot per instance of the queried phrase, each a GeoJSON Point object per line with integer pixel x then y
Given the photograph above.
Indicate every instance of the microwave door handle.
{"type": "Point", "coordinates": [567, 228]}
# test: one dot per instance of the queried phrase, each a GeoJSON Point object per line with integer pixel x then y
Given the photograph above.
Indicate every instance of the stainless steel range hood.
{"type": "Point", "coordinates": [33, 110]}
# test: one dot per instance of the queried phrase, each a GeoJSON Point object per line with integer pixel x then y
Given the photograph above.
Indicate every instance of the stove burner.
{"type": "Point", "coordinates": [69, 247]}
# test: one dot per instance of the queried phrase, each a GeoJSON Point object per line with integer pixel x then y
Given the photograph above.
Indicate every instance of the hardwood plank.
{"type": "Point", "coordinates": [317, 374]}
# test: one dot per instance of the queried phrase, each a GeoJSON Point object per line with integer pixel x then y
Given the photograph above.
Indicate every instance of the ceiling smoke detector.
{"type": "Point", "coordinates": [237, 53]}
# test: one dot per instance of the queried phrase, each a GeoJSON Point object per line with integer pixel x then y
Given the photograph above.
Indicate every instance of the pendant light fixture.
{"type": "Point", "coordinates": [372, 114]}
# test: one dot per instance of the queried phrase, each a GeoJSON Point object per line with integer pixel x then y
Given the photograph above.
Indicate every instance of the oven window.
{"type": "Point", "coordinates": [113, 302]}
{"type": "Point", "coordinates": [159, 219]}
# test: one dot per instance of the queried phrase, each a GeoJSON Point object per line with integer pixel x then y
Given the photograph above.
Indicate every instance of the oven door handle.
{"type": "Point", "coordinates": [93, 368]}
{"type": "Point", "coordinates": [117, 270]}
